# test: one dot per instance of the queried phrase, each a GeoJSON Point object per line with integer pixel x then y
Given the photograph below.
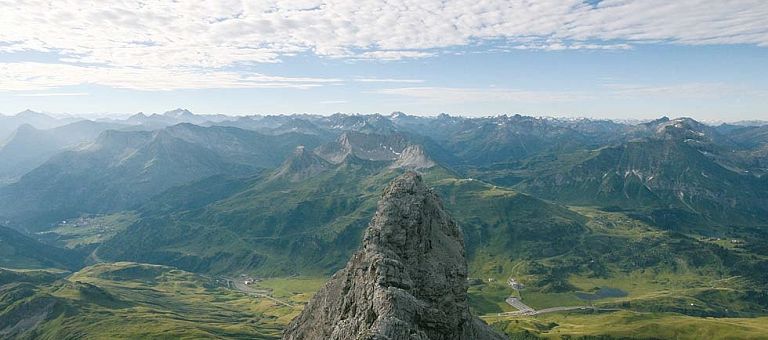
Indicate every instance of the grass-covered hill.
{"type": "Point", "coordinates": [128, 300]}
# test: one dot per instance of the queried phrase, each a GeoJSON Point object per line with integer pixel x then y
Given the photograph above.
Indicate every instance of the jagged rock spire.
{"type": "Point", "coordinates": [407, 281]}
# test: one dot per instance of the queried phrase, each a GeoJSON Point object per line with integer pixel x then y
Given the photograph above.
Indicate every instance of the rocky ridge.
{"type": "Point", "coordinates": [407, 281]}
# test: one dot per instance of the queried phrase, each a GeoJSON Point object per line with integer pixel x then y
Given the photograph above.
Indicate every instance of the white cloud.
{"type": "Point", "coordinates": [388, 80]}
{"type": "Point", "coordinates": [188, 40]}
{"type": "Point", "coordinates": [394, 55]}
{"type": "Point", "coordinates": [53, 94]}
{"type": "Point", "coordinates": [462, 95]}
{"type": "Point", "coordinates": [616, 90]}
{"type": "Point", "coordinates": [683, 90]}
{"type": "Point", "coordinates": [559, 45]}
{"type": "Point", "coordinates": [29, 76]}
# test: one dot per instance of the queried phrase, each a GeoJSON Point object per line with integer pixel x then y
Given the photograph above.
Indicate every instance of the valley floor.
{"type": "Point", "coordinates": [128, 300]}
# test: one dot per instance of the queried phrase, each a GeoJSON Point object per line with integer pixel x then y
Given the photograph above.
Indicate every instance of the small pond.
{"type": "Point", "coordinates": [602, 293]}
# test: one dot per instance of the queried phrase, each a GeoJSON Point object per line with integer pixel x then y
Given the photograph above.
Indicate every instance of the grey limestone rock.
{"type": "Point", "coordinates": [408, 280]}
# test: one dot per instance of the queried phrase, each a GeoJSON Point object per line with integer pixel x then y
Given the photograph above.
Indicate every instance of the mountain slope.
{"type": "Point", "coordinates": [678, 175]}
{"type": "Point", "coordinates": [42, 121]}
{"type": "Point", "coordinates": [274, 224]}
{"type": "Point", "coordinates": [120, 170]}
{"type": "Point", "coordinates": [129, 300]}
{"type": "Point", "coordinates": [29, 147]}
{"type": "Point", "coordinates": [20, 251]}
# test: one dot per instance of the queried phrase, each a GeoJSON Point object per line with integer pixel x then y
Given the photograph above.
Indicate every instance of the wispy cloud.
{"type": "Point", "coordinates": [387, 80]}
{"type": "Point", "coordinates": [680, 90]}
{"type": "Point", "coordinates": [460, 95]}
{"type": "Point", "coordinates": [29, 76]}
{"type": "Point", "coordinates": [330, 102]}
{"type": "Point", "coordinates": [53, 94]}
{"type": "Point", "coordinates": [560, 45]}
{"type": "Point", "coordinates": [191, 40]}
{"type": "Point", "coordinates": [613, 90]}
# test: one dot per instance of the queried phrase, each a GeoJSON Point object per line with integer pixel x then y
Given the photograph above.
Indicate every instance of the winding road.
{"type": "Point", "coordinates": [523, 309]}
{"type": "Point", "coordinates": [241, 286]}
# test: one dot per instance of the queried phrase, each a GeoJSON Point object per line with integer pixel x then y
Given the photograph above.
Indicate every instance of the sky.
{"type": "Point", "coordinates": [620, 59]}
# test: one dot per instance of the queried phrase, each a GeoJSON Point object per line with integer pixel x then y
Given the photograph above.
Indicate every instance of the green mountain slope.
{"type": "Point", "coordinates": [122, 169]}
{"type": "Point", "coordinates": [304, 217]}
{"type": "Point", "coordinates": [127, 300]}
{"type": "Point", "coordinates": [20, 251]}
{"type": "Point", "coordinates": [275, 225]}
{"type": "Point", "coordinates": [28, 147]}
{"type": "Point", "coordinates": [671, 180]}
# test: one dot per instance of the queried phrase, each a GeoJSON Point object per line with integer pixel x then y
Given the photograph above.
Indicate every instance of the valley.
{"type": "Point", "coordinates": [598, 223]}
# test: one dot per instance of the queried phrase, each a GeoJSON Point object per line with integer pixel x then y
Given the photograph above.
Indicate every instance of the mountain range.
{"type": "Point", "coordinates": [566, 206]}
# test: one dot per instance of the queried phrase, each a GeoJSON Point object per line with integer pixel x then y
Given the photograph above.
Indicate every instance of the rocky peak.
{"type": "Point", "coordinates": [397, 115]}
{"type": "Point", "coordinates": [366, 146]}
{"type": "Point", "coordinates": [407, 281]}
{"type": "Point", "coordinates": [413, 157]}
{"type": "Point", "coordinates": [344, 141]}
{"type": "Point", "coordinates": [29, 114]}
{"type": "Point", "coordinates": [138, 117]}
{"type": "Point", "coordinates": [178, 113]}
{"type": "Point", "coordinates": [300, 165]}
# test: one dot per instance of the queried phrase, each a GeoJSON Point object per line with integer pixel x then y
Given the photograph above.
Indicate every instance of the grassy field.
{"type": "Point", "coordinates": [88, 230]}
{"type": "Point", "coordinates": [630, 325]}
{"type": "Point", "coordinates": [672, 283]}
{"type": "Point", "coordinates": [298, 290]}
{"type": "Point", "coordinates": [128, 300]}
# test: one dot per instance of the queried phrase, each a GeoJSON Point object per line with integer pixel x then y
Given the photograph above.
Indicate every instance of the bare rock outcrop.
{"type": "Point", "coordinates": [408, 280]}
{"type": "Point", "coordinates": [300, 165]}
{"type": "Point", "coordinates": [413, 157]}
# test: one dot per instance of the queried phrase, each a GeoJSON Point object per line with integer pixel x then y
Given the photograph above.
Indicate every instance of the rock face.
{"type": "Point", "coordinates": [300, 165]}
{"type": "Point", "coordinates": [408, 280]}
{"type": "Point", "coordinates": [413, 157]}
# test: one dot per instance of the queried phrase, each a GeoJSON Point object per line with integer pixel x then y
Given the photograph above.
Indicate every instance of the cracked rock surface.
{"type": "Point", "coordinates": [407, 281]}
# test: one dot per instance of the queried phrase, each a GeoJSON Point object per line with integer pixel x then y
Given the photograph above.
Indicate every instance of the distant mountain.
{"type": "Point", "coordinates": [369, 124]}
{"type": "Point", "coordinates": [300, 125]}
{"type": "Point", "coordinates": [484, 141]}
{"type": "Point", "coordinates": [173, 117]}
{"type": "Point", "coordinates": [682, 172]}
{"type": "Point", "coordinates": [382, 147]}
{"type": "Point", "coordinates": [372, 147]}
{"type": "Point", "coordinates": [750, 136]}
{"type": "Point", "coordinates": [301, 165]}
{"type": "Point", "coordinates": [751, 151]}
{"type": "Point", "coordinates": [42, 121]}
{"type": "Point", "coordinates": [263, 124]}
{"type": "Point", "coordinates": [413, 157]}
{"type": "Point", "coordinates": [29, 147]}
{"type": "Point", "coordinates": [121, 169]}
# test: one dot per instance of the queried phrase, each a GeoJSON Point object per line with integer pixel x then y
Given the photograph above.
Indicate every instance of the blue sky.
{"type": "Point", "coordinates": [607, 59]}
